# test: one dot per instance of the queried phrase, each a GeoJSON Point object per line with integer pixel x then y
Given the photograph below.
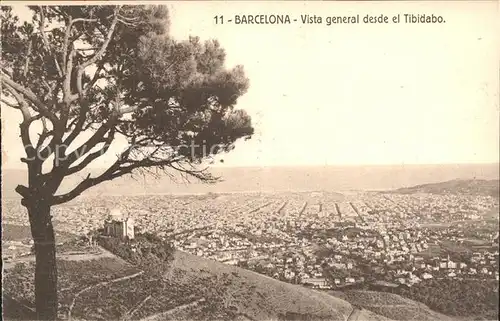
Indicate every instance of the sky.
{"type": "Point", "coordinates": [353, 94]}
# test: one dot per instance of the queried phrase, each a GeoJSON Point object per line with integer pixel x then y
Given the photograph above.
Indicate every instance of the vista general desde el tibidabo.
{"type": "Point", "coordinates": [99, 245]}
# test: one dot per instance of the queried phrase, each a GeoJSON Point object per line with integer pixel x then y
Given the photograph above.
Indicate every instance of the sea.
{"type": "Point", "coordinates": [277, 179]}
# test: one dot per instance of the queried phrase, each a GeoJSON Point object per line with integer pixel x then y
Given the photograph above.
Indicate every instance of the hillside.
{"type": "Point", "coordinates": [389, 305]}
{"type": "Point", "coordinates": [458, 186]}
{"type": "Point", "coordinates": [100, 286]}
{"type": "Point", "coordinates": [108, 288]}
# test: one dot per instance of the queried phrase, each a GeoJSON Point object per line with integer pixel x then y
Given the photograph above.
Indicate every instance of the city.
{"type": "Point", "coordinates": [319, 239]}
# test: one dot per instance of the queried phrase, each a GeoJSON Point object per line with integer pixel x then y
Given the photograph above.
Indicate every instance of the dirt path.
{"type": "Point", "coordinates": [354, 314]}
{"type": "Point", "coordinates": [77, 256]}
{"type": "Point", "coordinates": [128, 316]}
{"type": "Point", "coordinates": [77, 295]}
{"type": "Point", "coordinates": [368, 306]}
{"type": "Point", "coordinates": [68, 256]}
{"type": "Point", "coordinates": [162, 315]}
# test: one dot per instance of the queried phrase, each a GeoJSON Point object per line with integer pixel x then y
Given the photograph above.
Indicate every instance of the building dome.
{"type": "Point", "coordinates": [116, 214]}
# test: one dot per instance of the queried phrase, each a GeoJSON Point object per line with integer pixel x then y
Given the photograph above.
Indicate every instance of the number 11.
{"type": "Point", "coordinates": [219, 19]}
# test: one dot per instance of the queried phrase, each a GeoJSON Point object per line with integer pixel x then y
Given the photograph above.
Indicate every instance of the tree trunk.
{"type": "Point", "coordinates": [42, 231]}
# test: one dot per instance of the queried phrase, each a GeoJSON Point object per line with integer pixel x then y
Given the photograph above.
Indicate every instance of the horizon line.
{"type": "Point", "coordinates": [216, 166]}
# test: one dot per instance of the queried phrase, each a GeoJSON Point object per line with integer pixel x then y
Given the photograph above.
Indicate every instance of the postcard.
{"type": "Point", "coordinates": [250, 160]}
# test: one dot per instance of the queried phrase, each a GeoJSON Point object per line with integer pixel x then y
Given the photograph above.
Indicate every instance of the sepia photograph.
{"type": "Point", "coordinates": [250, 160]}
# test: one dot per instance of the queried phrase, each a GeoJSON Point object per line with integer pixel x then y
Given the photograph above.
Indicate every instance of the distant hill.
{"type": "Point", "coordinates": [458, 186]}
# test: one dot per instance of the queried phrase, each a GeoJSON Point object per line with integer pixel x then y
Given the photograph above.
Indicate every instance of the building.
{"type": "Point", "coordinates": [117, 226]}
{"type": "Point", "coordinates": [316, 282]}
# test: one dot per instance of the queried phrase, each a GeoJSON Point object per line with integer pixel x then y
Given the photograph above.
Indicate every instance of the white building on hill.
{"type": "Point", "coordinates": [117, 226]}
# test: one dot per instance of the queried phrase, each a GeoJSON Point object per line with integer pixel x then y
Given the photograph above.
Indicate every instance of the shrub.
{"type": "Point", "coordinates": [146, 250]}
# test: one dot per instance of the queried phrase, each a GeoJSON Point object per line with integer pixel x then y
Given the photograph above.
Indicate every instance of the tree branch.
{"type": "Point", "coordinates": [117, 170]}
{"type": "Point", "coordinates": [43, 136]}
{"type": "Point", "coordinates": [40, 106]}
{"type": "Point", "coordinates": [89, 144]}
{"type": "Point", "coordinates": [10, 104]}
{"type": "Point", "coordinates": [66, 40]}
{"type": "Point", "coordinates": [67, 79]}
{"type": "Point", "coordinates": [27, 62]}
{"type": "Point", "coordinates": [68, 34]}
{"type": "Point", "coordinates": [27, 120]}
{"type": "Point", "coordinates": [101, 51]}
{"type": "Point", "coordinates": [46, 41]}
{"type": "Point", "coordinates": [80, 72]}
{"type": "Point", "coordinates": [83, 186]}
{"type": "Point", "coordinates": [91, 157]}
{"type": "Point", "coordinates": [91, 84]}
{"type": "Point", "coordinates": [80, 121]}
{"type": "Point", "coordinates": [128, 109]}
